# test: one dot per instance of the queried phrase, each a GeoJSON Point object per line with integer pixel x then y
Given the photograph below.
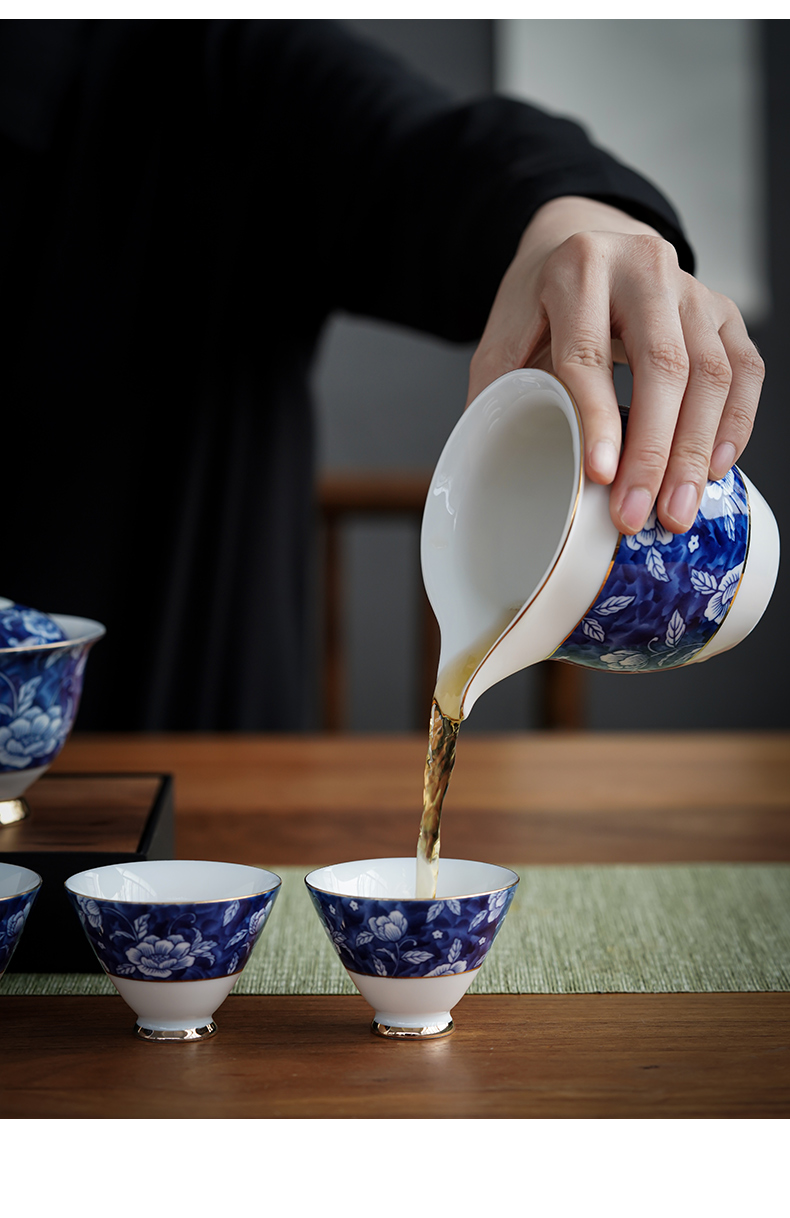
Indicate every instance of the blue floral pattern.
{"type": "Point", "coordinates": [666, 594]}
{"type": "Point", "coordinates": [21, 626]}
{"type": "Point", "coordinates": [40, 690]}
{"type": "Point", "coordinates": [388, 938]}
{"type": "Point", "coordinates": [179, 942]}
{"type": "Point", "coordinates": [13, 915]}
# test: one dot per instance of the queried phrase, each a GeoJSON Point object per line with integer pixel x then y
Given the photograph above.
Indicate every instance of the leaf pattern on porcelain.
{"type": "Point", "coordinates": [410, 938]}
{"type": "Point", "coordinates": [666, 594]}
{"type": "Point", "coordinates": [174, 942]}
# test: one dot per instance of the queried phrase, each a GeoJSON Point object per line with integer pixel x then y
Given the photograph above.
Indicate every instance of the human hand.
{"type": "Point", "coordinates": [590, 286]}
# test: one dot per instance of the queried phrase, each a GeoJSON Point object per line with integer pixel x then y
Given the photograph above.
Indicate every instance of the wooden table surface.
{"type": "Point", "coordinates": [538, 798]}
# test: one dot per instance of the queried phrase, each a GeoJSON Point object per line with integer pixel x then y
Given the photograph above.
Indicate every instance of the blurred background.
{"type": "Point", "coordinates": [702, 108]}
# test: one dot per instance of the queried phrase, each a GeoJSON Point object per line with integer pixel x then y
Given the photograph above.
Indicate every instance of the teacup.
{"type": "Point", "coordinates": [522, 563]}
{"type": "Point", "coordinates": [19, 888]}
{"type": "Point", "coordinates": [173, 936]}
{"type": "Point", "coordinates": [40, 689]}
{"type": "Point", "coordinates": [412, 960]}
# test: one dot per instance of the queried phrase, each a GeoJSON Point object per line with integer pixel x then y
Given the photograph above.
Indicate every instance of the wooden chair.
{"type": "Point", "coordinates": [342, 496]}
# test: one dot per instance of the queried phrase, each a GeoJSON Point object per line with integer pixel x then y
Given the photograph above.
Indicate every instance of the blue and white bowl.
{"type": "Point", "coordinates": [18, 890]}
{"type": "Point", "coordinates": [173, 936]}
{"type": "Point", "coordinates": [41, 680]}
{"type": "Point", "coordinates": [411, 959]}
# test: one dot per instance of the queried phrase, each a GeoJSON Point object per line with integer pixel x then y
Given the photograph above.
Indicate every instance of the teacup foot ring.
{"type": "Point", "coordinates": [398, 1032]}
{"type": "Point", "coordinates": [203, 1033]}
{"type": "Point", "coordinates": [12, 811]}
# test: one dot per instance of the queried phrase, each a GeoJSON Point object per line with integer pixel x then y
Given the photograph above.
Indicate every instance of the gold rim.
{"type": "Point", "coordinates": [470, 972]}
{"type": "Point", "coordinates": [92, 637]}
{"type": "Point", "coordinates": [34, 887]}
{"type": "Point", "coordinates": [461, 896]}
{"type": "Point", "coordinates": [528, 604]}
{"type": "Point", "coordinates": [594, 601]}
{"type": "Point", "coordinates": [173, 980]}
{"type": "Point", "coordinates": [182, 901]}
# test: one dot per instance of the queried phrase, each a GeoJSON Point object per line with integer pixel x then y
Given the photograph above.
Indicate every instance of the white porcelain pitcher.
{"type": "Point", "coordinates": [522, 563]}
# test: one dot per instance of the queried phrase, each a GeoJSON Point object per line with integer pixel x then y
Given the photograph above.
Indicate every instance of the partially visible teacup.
{"type": "Point", "coordinates": [19, 887]}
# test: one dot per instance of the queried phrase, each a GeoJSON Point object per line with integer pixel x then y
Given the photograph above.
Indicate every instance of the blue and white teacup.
{"type": "Point", "coordinates": [42, 667]}
{"type": "Point", "coordinates": [411, 959]}
{"type": "Point", "coordinates": [173, 936]}
{"type": "Point", "coordinates": [522, 562]}
{"type": "Point", "coordinates": [19, 887]}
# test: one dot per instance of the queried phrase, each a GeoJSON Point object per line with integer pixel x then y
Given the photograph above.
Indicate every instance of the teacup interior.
{"type": "Point", "coordinates": [395, 878]}
{"type": "Point", "coordinates": [500, 508]}
{"type": "Point", "coordinates": [15, 880]}
{"type": "Point", "coordinates": [176, 880]}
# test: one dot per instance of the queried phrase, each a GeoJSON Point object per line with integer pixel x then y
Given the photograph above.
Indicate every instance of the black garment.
{"type": "Point", "coordinates": [184, 205]}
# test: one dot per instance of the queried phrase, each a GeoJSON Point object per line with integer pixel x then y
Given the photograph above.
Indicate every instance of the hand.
{"type": "Point", "coordinates": [588, 287]}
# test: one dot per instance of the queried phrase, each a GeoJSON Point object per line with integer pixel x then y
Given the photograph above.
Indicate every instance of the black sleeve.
{"type": "Point", "coordinates": [399, 204]}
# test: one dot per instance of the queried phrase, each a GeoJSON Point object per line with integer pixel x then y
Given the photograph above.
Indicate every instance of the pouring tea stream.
{"type": "Point", "coordinates": [522, 563]}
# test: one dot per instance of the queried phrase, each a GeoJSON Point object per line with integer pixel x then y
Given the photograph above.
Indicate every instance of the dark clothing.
{"type": "Point", "coordinates": [185, 204]}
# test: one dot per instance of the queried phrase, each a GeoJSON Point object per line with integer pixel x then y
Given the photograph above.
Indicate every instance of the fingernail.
{"type": "Point", "coordinates": [722, 460]}
{"type": "Point", "coordinates": [636, 509]}
{"type": "Point", "coordinates": [683, 505]}
{"type": "Point", "coordinates": [603, 459]}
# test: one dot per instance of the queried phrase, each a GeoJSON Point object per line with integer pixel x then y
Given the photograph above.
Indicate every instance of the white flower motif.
{"type": "Point", "coordinates": [652, 534]}
{"type": "Point", "coordinates": [353, 905]}
{"type": "Point", "coordinates": [90, 912]}
{"type": "Point", "coordinates": [625, 661]}
{"type": "Point", "coordinates": [257, 920]}
{"type": "Point", "coordinates": [389, 927]}
{"type": "Point", "coordinates": [719, 603]}
{"type": "Point", "coordinates": [16, 923]}
{"type": "Point", "coordinates": [161, 957]}
{"type": "Point", "coordinates": [442, 969]}
{"type": "Point", "coordinates": [724, 499]}
{"type": "Point", "coordinates": [496, 903]}
{"type": "Point", "coordinates": [693, 543]}
{"type": "Point", "coordinates": [34, 733]}
{"type": "Point", "coordinates": [437, 934]}
{"type": "Point", "coordinates": [724, 487]}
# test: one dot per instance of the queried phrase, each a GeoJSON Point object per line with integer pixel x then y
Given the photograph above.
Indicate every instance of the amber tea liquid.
{"type": "Point", "coordinates": [446, 718]}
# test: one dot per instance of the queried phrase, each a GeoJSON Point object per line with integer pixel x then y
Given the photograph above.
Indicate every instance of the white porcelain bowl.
{"type": "Point", "coordinates": [412, 960]}
{"type": "Point", "coordinates": [173, 936]}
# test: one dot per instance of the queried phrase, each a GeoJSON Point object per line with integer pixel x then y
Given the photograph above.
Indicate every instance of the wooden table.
{"type": "Point", "coordinates": [554, 798]}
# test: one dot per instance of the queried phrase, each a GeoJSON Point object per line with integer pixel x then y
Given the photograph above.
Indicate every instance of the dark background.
{"type": "Point", "coordinates": [388, 399]}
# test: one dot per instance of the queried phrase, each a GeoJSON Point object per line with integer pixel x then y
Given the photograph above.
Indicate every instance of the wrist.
{"type": "Point", "coordinates": [560, 218]}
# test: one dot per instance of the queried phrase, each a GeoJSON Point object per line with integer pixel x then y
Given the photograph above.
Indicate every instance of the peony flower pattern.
{"type": "Point", "coordinates": [39, 694]}
{"type": "Point", "coordinates": [666, 595]}
{"type": "Point", "coordinates": [412, 938]}
{"type": "Point", "coordinates": [183, 942]}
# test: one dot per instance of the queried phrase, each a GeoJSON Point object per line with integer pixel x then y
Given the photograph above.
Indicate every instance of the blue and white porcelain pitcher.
{"type": "Point", "coordinates": [522, 562]}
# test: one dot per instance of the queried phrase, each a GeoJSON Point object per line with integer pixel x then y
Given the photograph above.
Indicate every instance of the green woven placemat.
{"type": "Point", "coordinates": [570, 930]}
